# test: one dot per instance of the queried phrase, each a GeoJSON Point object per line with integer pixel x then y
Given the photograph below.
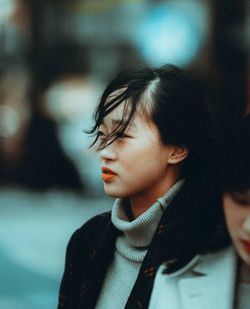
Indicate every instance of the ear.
{"type": "Point", "coordinates": [177, 154]}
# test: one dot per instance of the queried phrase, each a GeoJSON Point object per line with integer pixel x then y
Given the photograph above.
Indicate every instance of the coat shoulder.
{"type": "Point", "coordinates": [80, 253]}
{"type": "Point", "coordinates": [91, 230]}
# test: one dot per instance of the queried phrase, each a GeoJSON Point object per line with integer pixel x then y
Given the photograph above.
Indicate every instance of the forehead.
{"type": "Point", "coordinates": [119, 112]}
{"type": "Point", "coordinates": [128, 107]}
{"type": "Point", "coordinates": [119, 116]}
{"type": "Point", "coordinates": [139, 124]}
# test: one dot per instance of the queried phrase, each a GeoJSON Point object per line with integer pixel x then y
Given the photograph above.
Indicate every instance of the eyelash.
{"type": "Point", "coordinates": [119, 135]}
{"type": "Point", "coordinates": [100, 133]}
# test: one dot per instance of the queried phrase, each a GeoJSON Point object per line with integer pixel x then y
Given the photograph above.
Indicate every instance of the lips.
{"type": "Point", "coordinates": [108, 174]}
{"type": "Point", "coordinates": [246, 245]}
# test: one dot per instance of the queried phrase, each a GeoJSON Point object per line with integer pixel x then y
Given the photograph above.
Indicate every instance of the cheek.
{"type": "Point", "coordinates": [144, 163]}
{"type": "Point", "coordinates": [229, 211]}
{"type": "Point", "coordinates": [234, 217]}
{"type": "Point", "coordinates": [231, 219]}
{"type": "Point", "coordinates": [145, 151]}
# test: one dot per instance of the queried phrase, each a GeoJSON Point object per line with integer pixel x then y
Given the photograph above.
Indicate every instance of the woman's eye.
{"type": "Point", "coordinates": [120, 135]}
{"type": "Point", "coordinates": [123, 135]}
{"type": "Point", "coordinates": [101, 134]}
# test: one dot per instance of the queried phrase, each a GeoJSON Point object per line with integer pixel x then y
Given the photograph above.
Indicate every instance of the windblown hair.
{"type": "Point", "coordinates": [173, 101]}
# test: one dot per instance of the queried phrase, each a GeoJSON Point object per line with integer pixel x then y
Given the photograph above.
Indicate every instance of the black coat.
{"type": "Point", "coordinates": [193, 223]}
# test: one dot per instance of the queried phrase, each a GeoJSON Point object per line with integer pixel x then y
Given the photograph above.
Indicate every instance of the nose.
{"type": "Point", "coordinates": [246, 224]}
{"type": "Point", "coordinates": [108, 153]}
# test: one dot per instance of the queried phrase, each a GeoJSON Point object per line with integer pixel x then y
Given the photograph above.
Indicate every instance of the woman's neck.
{"type": "Point", "coordinates": [140, 203]}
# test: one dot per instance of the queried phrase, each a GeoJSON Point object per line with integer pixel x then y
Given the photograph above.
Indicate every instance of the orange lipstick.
{"type": "Point", "coordinates": [107, 174]}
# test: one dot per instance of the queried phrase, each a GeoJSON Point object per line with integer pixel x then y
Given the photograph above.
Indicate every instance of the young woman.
{"type": "Point", "coordinates": [222, 279]}
{"type": "Point", "coordinates": [236, 202]}
{"type": "Point", "coordinates": [155, 138]}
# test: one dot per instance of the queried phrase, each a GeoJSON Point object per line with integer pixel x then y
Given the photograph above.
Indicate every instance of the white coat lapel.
{"type": "Point", "coordinates": [211, 282]}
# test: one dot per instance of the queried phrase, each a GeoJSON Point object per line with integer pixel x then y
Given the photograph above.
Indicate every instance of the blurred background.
{"type": "Point", "coordinates": [56, 57]}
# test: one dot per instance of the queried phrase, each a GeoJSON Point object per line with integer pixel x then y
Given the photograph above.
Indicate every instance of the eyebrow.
{"type": "Point", "coordinates": [116, 122]}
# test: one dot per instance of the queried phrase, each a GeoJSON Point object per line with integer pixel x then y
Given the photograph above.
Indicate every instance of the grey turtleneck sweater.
{"type": "Point", "coordinates": [243, 288]}
{"type": "Point", "coordinates": [130, 249]}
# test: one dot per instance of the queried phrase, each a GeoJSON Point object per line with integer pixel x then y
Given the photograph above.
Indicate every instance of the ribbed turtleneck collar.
{"type": "Point", "coordinates": [244, 273]}
{"type": "Point", "coordinates": [139, 232]}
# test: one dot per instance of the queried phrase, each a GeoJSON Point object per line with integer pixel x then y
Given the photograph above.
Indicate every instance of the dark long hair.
{"type": "Point", "coordinates": [235, 158]}
{"type": "Point", "coordinates": [174, 102]}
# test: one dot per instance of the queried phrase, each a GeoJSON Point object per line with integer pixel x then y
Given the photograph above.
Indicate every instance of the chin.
{"type": "Point", "coordinates": [114, 192]}
{"type": "Point", "coordinates": [245, 258]}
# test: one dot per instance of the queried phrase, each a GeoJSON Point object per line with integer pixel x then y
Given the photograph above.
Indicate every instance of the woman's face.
{"type": "Point", "coordinates": [137, 162]}
{"type": "Point", "coordinates": [237, 213]}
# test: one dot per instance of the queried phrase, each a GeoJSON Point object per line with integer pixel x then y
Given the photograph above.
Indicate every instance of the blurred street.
{"type": "Point", "coordinates": [56, 59]}
{"type": "Point", "coordinates": [34, 231]}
